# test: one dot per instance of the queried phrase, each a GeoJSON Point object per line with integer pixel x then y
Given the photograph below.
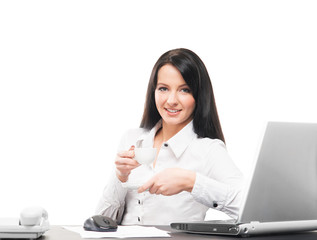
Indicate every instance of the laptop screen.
{"type": "Point", "coordinates": [284, 182]}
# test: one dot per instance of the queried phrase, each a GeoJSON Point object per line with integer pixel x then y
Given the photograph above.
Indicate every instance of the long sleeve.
{"type": "Point", "coordinates": [220, 196]}
{"type": "Point", "coordinates": [112, 202]}
{"type": "Point", "coordinates": [221, 187]}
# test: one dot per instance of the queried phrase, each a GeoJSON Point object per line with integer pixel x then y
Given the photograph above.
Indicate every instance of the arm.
{"type": "Point", "coordinates": [221, 196]}
{"type": "Point", "coordinates": [214, 194]}
{"type": "Point", "coordinates": [218, 185]}
{"type": "Point", "coordinates": [221, 186]}
{"type": "Point", "coordinates": [170, 181]}
{"type": "Point", "coordinates": [112, 201]}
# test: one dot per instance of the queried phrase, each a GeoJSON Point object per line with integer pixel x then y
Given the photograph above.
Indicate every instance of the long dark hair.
{"type": "Point", "coordinates": [205, 118]}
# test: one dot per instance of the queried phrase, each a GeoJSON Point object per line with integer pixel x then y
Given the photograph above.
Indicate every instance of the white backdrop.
{"type": "Point", "coordinates": [73, 76]}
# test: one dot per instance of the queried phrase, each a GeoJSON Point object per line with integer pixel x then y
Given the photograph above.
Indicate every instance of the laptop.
{"type": "Point", "coordinates": [282, 194]}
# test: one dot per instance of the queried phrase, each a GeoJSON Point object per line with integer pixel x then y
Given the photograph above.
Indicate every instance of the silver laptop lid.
{"type": "Point", "coordinates": [284, 182]}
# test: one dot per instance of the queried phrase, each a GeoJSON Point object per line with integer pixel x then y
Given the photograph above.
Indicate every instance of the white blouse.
{"type": "Point", "coordinates": [218, 182]}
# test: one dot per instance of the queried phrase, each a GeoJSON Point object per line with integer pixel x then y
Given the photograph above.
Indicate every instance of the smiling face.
{"type": "Point", "coordinates": [173, 97]}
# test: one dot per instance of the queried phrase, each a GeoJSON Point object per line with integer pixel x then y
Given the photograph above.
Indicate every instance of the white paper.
{"type": "Point", "coordinates": [122, 232]}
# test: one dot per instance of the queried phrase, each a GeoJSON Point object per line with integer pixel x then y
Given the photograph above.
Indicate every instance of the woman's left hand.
{"type": "Point", "coordinates": [170, 181]}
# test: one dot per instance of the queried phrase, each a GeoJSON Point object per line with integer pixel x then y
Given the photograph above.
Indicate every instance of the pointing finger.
{"type": "Point", "coordinates": [146, 186]}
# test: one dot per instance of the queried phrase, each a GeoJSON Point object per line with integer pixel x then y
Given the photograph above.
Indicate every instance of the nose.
{"type": "Point", "coordinates": [172, 99]}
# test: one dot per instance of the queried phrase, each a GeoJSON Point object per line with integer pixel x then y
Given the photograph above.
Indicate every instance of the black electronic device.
{"type": "Point", "coordinates": [100, 223]}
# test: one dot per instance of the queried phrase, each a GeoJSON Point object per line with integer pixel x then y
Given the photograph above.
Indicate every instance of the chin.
{"type": "Point", "coordinates": [174, 122]}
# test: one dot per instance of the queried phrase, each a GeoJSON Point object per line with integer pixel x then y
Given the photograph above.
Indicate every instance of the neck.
{"type": "Point", "coordinates": [168, 130]}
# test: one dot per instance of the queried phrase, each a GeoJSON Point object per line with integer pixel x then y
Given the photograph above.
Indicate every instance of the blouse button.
{"type": "Point", "coordinates": [215, 205]}
{"type": "Point", "coordinates": [165, 144]}
{"type": "Point", "coordinates": [139, 202]}
{"type": "Point", "coordinates": [139, 219]}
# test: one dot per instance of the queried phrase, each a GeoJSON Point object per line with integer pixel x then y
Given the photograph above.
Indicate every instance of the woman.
{"type": "Point", "coordinates": [192, 171]}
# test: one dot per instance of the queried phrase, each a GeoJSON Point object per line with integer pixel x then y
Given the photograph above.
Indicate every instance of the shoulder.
{"type": "Point", "coordinates": [134, 133]}
{"type": "Point", "coordinates": [214, 155]}
{"type": "Point", "coordinates": [130, 137]}
{"type": "Point", "coordinates": [209, 143]}
{"type": "Point", "coordinates": [208, 146]}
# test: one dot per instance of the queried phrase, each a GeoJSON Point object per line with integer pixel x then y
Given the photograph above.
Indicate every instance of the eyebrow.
{"type": "Point", "coordinates": [163, 84]}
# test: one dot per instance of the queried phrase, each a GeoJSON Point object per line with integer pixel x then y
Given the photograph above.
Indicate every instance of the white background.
{"type": "Point", "coordinates": [73, 77]}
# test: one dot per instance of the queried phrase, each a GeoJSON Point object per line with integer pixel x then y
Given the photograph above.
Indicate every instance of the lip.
{"type": "Point", "coordinates": [172, 112]}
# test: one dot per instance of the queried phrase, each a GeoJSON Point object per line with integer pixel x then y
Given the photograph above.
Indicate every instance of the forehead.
{"type": "Point", "coordinates": [168, 74]}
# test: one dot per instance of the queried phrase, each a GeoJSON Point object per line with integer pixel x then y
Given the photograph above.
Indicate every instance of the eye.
{"type": "Point", "coordinates": [185, 90]}
{"type": "Point", "coordinates": [162, 89]}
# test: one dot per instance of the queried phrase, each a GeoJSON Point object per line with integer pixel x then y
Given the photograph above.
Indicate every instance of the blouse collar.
{"type": "Point", "coordinates": [178, 143]}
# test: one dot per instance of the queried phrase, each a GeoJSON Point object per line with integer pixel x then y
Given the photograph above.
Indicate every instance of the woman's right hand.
{"type": "Point", "coordinates": [125, 164]}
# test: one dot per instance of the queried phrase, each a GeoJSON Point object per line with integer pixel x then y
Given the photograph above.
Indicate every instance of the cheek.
{"type": "Point", "coordinates": [193, 106]}
{"type": "Point", "coordinates": [159, 100]}
{"type": "Point", "coordinates": [189, 103]}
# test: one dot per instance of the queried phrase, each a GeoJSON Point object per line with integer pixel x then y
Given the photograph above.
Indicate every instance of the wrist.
{"type": "Point", "coordinates": [122, 178]}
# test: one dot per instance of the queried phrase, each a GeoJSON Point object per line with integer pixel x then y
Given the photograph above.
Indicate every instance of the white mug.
{"type": "Point", "coordinates": [145, 155]}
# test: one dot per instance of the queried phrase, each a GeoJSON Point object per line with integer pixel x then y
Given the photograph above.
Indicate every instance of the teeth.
{"type": "Point", "coordinates": [172, 111]}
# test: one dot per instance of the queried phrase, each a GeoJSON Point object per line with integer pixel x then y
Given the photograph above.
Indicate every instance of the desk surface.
{"type": "Point", "coordinates": [59, 233]}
